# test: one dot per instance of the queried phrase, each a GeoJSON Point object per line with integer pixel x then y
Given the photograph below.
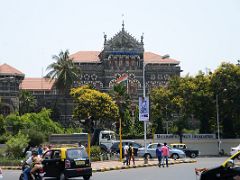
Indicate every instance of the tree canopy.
{"type": "Point", "coordinates": [90, 102]}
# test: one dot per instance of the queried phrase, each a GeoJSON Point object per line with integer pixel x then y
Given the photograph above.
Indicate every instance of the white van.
{"type": "Point", "coordinates": [234, 150]}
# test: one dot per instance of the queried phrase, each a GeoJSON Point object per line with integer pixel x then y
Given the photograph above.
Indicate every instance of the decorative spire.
{"type": "Point", "coordinates": [105, 37]}
{"type": "Point", "coordinates": [123, 22]}
{"type": "Point", "coordinates": [142, 38]}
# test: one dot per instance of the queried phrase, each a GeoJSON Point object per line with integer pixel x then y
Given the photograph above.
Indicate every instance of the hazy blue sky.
{"type": "Point", "coordinates": [199, 33]}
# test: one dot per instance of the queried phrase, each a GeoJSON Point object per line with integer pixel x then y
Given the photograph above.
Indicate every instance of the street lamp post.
{"type": "Point", "coordinates": [218, 129]}
{"type": "Point", "coordinates": [144, 95]}
{"type": "Point", "coordinates": [218, 123]}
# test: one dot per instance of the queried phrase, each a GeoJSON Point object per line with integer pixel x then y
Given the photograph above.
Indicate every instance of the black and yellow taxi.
{"type": "Point", "coordinates": [230, 169]}
{"type": "Point", "coordinates": [67, 162]}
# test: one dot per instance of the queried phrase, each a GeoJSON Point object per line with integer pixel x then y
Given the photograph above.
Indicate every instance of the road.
{"type": "Point", "coordinates": [175, 172]}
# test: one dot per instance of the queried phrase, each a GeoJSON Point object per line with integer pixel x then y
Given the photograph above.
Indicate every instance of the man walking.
{"type": "Point", "coordinates": [126, 155]}
{"type": "Point", "coordinates": [131, 154]}
{"type": "Point", "coordinates": [165, 153]}
{"type": "Point", "coordinates": [159, 154]}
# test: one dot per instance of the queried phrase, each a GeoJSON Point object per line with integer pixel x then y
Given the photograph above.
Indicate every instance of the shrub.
{"type": "Point", "coordinates": [4, 138]}
{"type": "Point", "coordinates": [95, 153]}
{"type": "Point", "coordinates": [16, 144]}
{"type": "Point", "coordinates": [36, 138]}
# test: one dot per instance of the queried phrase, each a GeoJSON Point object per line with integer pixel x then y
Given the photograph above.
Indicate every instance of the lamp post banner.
{"type": "Point", "coordinates": [143, 109]}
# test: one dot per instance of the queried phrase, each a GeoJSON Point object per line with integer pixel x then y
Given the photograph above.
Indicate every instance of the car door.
{"type": "Point", "coordinates": [152, 149]}
{"type": "Point", "coordinates": [135, 148]}
{"type": "Point", "coordinates": [51, 164]}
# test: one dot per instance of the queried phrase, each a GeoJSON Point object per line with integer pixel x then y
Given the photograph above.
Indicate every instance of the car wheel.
{"type": "Point", "coordinates": [21, 177]}
{"type": "Point", "coordinates": [86, 177]}
{"type": "Point", "coordinates": [62, 177]}
{"type": "Point", "coordinates": [147, 156]}
{"type": "Point", "coordinates": [193, 155]}
{"type": "Point", "coordinates": [175, 156]}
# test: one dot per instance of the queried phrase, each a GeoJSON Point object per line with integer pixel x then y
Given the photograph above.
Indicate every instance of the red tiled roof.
{"type": "Point", "coordinates": [92, 56]}
{"type": "Point", "coordinates": [9, 70]}
{"type": "Point", "coordinates": [85, 56]}
{"type": "Point", "coordinates": [150, 57]}
{"type": "Point", "coordinates": [37, 84]}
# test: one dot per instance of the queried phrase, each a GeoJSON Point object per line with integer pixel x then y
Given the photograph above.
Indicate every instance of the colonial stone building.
{"type": "Point", "coordinates": [123, 54]}
{"type": "Point", "coordinates": [10, 79]}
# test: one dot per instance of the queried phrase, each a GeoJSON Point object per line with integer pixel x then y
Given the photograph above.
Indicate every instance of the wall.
{"type": "Point", "coordinates": [208, 147]}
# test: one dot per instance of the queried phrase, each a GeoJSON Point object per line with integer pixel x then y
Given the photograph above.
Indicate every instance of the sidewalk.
{"type": "Point", "coordinates": [101, 166]}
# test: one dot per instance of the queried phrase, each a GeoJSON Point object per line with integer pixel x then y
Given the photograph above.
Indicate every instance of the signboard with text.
{"type": "Point", "coordinates": [143, 109]}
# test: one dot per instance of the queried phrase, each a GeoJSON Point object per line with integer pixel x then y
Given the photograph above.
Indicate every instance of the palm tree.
{"type": "Point", "coordinates": [122, 99]}
{"type": "Point", "coordinates": [64, 72]}
{"type": "Point", "coordinates": [27, 102]}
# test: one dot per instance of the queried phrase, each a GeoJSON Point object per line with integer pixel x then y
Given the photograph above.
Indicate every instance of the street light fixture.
{"type": "Point", "coordinates": [144, 95]}
{"type": "Point", "coordinates": [218, 123]}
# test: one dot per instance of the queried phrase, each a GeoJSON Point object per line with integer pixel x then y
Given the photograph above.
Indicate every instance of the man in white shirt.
{"type": "Point", "coordinates": [126, 154]}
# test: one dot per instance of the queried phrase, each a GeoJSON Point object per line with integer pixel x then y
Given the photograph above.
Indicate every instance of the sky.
{"type": "Point", "coordinates": [201, 34]}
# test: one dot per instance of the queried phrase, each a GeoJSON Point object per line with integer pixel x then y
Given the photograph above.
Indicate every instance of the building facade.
{"type": "Point", "coordinates": [10, 79]}
{"type": "Point", "coordinates": [122, 55]}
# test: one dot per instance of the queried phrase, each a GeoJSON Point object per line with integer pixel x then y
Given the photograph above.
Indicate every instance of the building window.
{"type": "Point", "coordinates": [5, 110]}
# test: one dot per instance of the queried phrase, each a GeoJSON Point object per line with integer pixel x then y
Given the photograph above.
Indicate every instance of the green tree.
{"type": "Point", "coordinates": [64, 73]}
{"type": "Point", "coordinates": [203, 103]}
{"type": "Point", "coordinates": [90, 102]}
{"type": "Point", "coordinates": [225, 83]}
{"type": "Point", "coordinates": [27, 102]}
{"type": "Point", "coordinates": [160, 103]}
{"type": "Point", "coordinates": [122, 99]}
{"type": "Point", "coordinates": [30, 123]}
{"type": "Point", "coordinates": [16, 144]}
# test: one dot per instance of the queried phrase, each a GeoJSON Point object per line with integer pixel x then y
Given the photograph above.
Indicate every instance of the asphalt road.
{"type": "Point", "coordinates": [183, 171]}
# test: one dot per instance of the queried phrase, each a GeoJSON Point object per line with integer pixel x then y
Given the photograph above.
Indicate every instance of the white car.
{"type": "Point", "coordinates": [234, 150]}
{"type": "Point", "coordinates": [1, 176]}
{"type": "Point", "coordinates": [151, 152]}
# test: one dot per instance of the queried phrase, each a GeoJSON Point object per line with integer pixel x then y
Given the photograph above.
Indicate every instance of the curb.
{"type": "Point", "coordinates": [114, 168]}
{"type": "Point", "coordinates": [140, 166]}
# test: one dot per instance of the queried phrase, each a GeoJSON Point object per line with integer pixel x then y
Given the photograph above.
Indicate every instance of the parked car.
{"type": "Point", "coordinates": [115, 146]}
{"type": "Point", "coordinates": [67, 162]}
{"type": "Point", "coordinates": [151, 152]}
{"type": "Point", "coordinates": [189, 152]}
{"type": "Point", "coordinates": [234, 150]}
{"type": "Point", "coordinates": [230, 169]}
{"type": "Point", "coordinates": [1, 174]}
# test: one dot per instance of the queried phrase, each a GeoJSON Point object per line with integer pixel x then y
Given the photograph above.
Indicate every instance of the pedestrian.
{"type": "Point", "coordinates": [40, 150]}
{"type": "Point", "coordinates": [126, 155]}
{"type": "Point", "coordinates": [45, 149]}
{"type": "Point", "coordinates": [80, 145]}
{"type": "Point", "coordinates": [159, 155]}
{"type": "Point", "coordinates": [165, 154]}
{"type": "Point", "coordinates": [131, 154]}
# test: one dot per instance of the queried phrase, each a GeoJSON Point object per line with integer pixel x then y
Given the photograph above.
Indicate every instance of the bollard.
{"type": "Point", "coordinates": [145, 159]}
{"type": "Point", "coordinates": [108, 156]}
{"type": "Point", "coordinates": [101, 157]}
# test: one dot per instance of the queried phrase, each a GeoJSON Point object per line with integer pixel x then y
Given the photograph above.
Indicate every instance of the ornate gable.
{"type": "Point", "coordinates": [123, 41]}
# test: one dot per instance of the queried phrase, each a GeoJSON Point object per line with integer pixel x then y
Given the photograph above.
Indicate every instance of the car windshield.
{"type": "Point", "coordinates": [79, 153]}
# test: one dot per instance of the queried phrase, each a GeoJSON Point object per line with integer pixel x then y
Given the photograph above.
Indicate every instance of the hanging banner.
{"type": "Point", "coordinates": [143, 109]}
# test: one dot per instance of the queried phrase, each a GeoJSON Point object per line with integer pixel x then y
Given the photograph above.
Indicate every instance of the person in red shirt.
{"type": "Point", "coordinates": [165, 154]}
